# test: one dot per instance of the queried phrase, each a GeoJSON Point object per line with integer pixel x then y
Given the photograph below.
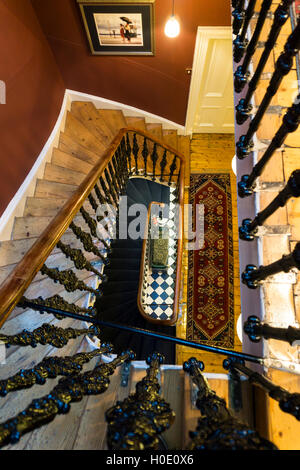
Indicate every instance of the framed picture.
{"type": "Point", "coordinates": [119, 27]}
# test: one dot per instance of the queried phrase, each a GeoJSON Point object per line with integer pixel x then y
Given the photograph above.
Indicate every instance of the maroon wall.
{"type": "Point", "coordinates": [35, 91]}
{"type": "Point", "coordinates": [156, 84]}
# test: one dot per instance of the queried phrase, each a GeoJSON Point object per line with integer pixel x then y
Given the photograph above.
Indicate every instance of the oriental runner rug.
{"type": "Point", "coordinates": [210, 314]}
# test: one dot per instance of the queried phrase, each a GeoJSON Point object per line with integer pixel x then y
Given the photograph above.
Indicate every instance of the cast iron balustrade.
{"type": "Point", "coordinates": [70, 389]}
{"type": "Point", "coordinates": [242, 73]}
{"type": "Point", "coordinates": [217, 428]}
{"type": "Point", "coordinates": [244, 107]}
{"type": "Point", "coordinates": [256, 330]}
{"type": "Point", "coordinates": [252, 276]}
{"type": "Point", "coordinates": [238, 15]}
{"type": "Point", "coordinates": [249, 227]}
{"type": "Point", "coordinates": [240, 43]}
{"type": "Point", "coordinates": [288, 402]}
{"type": "Point", "coordinates": [290, 123]}
{"type": "Point", "coordinates": [137, 422]}
{"type": "Point", "coordinates": [283, 66]}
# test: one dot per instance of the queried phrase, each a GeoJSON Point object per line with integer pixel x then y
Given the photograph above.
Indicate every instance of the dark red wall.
{"type": "Point", "coordinates": [35, 91]}
{"type": "Point", "coordinates": [156, 84]}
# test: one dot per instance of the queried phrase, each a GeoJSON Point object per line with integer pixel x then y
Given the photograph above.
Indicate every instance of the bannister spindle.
{"type": "Point", "coordinates": [127, 151]}
{"type": "Point", "coordinates": [87, 242]}
{"type": "Point", "coordinates": [56, 302]}
{"type": "Point", "coordinates": [45, 334]}
{"type": "Point", "coordinates": [93, 202]}
{"type": "Point", "coordinates": [283, 66]}
{"type": "Point", "coordinates": [253, 275]}
{"type": "Point", "coordinates": [288, 402]}
{"type": "Point", "coordinates": [173, 167]}
{"type": "Point", "coordinates": [163, 165]}
{"type": "Point", "coordinates": [249, 227]}
{"type": "Point", "coordinates": [50, 367]}
{"type": "Point", "coordinates": [79, 260]}
{"type": "Point", "coordinates": [68, 280]}
{"type": "Point", "coordinates": [145, 153]}
{"type": "Point", "coordinates": [111, 186]}
{"type": "Point", "coordinates": [136, 422]}
{"type": "Point", "coordinates": [244, 107]}
{"type": "Point", "coordinates": [242, 70]}
{"type": "Point", "coordinates": [256, 330]}
{"type": "Point", "coordinates": [240, 43]}
{"type": "Point", "coordinates": [106, 191]}
{"type": "Point", "coordinates": [217, 429]}
{"type": "Point", "coordinates": [70, 389]}
{"type": "Point", "coordinates": [290, 123]}
{"type": "Point", "coordinates": [238, 16]}
{"type": "Point", "coordinates": [154, 158]}
{"type": "Point", "coordinates": [135, 151]}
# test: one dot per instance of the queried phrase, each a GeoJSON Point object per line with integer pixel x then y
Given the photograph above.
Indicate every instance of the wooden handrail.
{"type": "Point", "coordinates": [20, 278]}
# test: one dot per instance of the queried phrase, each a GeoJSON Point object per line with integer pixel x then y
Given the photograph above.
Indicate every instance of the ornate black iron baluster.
{"type": "Point", "coordinates": [145, 153]}
{"type": "Point", "coordinates": [238, 16]}
{"type": "Point", "coordinates": [127, 151]}
{"type": "Point", "coordinates": [45, 334]}
{"type": "Point", "coordinates": [70, 389]}
{"type": "Point", "coordinates": [111, 186]}
{"type": "Point", "coordinates": [136, 422]}
{"type": "Point", "coordinates": [78, 259]}
{"type": "Point", "coordinates": [244, 107]}
{"type": "Point", "coordinates": [87, 242]}
{"type": "Point", "coordinates": [154, 158]}
{"type": "Point", "coordinates": [288, 402]}
{"type": "Point", "coordinates": [92, 224]}
{"type": "Point", "coordinates": [49, 367]}
{"type": "Point", "coordinates": [282, 68]}
{"type": "Point", "coordinates": [56, 302]}
{"type": "Point", "coordinates": [172, 169]}
{"type": "Point", "coordinates": [93, 202]}
{"type": "Point", "coordinates": [68, 279]}
{"type": "Point", "coordinates": [249, 227]}
{"type": "Point", "coordinates": [256, 330]}
{"type": "Point", "coordinates": [105, 189]}
{"type": "Point", "coordinates": [116, 160]}
{"type": "Point", "coordinates": [135, 151]}
{"type": "Point", "coordinates": [253, 275]}
{"type": "Point", "coordinates": [290, 123]}
{"type": "Point", "coordinates": [217, 429]}
{"type": "Point", "coordinates": [240, 43]}
{"type": "Point", "coordinates": [242, 70]}
{"type": "Point", "coordinates": [115, 181]}
{"type": "Point", "coordinates": [99, 195]}
{"type": "Point", "coordinates": [163, 165]}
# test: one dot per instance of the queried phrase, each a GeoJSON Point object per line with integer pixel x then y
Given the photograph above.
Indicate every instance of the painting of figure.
{"type": "Point", "coordinates": [119, 29]}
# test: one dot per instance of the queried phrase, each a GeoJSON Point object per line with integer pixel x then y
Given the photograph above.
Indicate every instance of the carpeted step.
{"type": "Point", "coordinates": [121, 274]}
{"type": "Point", "coordinates": [125, 252]}
{"type": "Point", "coordinates": [117, 286]}
{"type": "Point", "coordinates": [141, 186]}
{"type": "Point", "coordinates": [116, 298]}
{"type": "Point", "coordinates": [135, 194]}
{"type": "Point", "coordinates": [125, 264]}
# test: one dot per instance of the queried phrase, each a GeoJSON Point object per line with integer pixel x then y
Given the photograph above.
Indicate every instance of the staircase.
{"type": "Point", "coordinates": [87, 134]}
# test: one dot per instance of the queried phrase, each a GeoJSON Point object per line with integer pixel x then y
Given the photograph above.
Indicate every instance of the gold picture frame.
{"type": "Point", "coordinates": [119, 27]}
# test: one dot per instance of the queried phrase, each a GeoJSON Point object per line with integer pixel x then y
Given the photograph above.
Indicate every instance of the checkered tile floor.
{"type": "Point", "coordinates": [158, 289]}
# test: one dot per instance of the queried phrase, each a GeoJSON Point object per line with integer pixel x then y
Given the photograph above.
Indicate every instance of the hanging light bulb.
{"type": "Point", "coordinates": [172, 28]}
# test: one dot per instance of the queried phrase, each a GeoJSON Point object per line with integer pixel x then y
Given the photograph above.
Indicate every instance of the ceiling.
{"type": "Point", "coordinates": [159, 84]}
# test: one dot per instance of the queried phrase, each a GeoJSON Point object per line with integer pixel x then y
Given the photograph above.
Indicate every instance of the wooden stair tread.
{"type": "Point", "coordinates": [137, 122]}
{"type": "Point", "coordinates": [170, 137]}
{"type": "Point", "coordinates": [63, 159]}
{"type": "Point", "coordinates": [89, 116]}
{"type": "Point", "coordinates": [75, 129]}
{"type": "Point", "coordinates": [61, 174]}
{"type": "Point", "coordinates": [155, 130]}
{"type": "Point", "coordinates": [114, 118]}
{"type": "Point", "coordinates": [49, 189]}
{"type": "Point", "coordinates": [72, 147]}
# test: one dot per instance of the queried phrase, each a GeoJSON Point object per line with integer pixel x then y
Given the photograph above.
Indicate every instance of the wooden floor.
{"type": "Point", "coordinates": [212, 153]}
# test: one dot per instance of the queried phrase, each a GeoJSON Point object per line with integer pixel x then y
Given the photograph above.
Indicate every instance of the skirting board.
{"type": "Point", "coordinates": [16, 206]}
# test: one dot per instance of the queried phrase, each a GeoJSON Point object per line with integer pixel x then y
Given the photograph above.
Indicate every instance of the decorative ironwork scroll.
{"type": "Point", "coordinates": [70, 389]}
{"type": "Point", "coordinates": [50, 367]}
{"type": "Point", "coordinates": [136, 422]}
{"type": "Point", "coordinates": [217, 429]}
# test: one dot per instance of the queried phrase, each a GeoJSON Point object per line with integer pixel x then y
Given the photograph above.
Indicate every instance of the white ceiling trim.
{"type": "Point", "coordinates": [208, 43]}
